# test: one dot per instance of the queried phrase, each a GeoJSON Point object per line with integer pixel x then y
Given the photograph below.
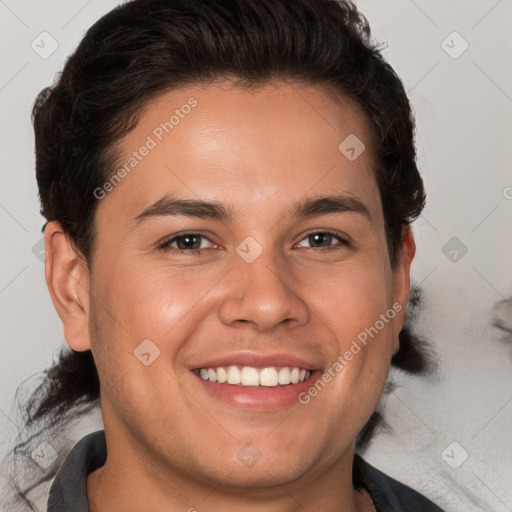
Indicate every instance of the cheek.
{"type": "Point", "coordinates": [350, 304]}
{"type": "Point", "coordinates": [355, 304]}
{"type": "Point", "coordinates": [350, 297]}
{"type": "Point", "coordinates": [141, 294]}
{"type": "Point", "coordinates": [150, 301]}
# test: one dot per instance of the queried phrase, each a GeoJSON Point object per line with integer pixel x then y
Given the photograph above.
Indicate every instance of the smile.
{"type": "Point", "coordinates": [255, 377]}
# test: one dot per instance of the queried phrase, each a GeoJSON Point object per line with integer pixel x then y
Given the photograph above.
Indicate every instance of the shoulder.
{"type": "Point", "coordinates": [388, 494]}
{"type": "Point", "coordinates": [69, 488]}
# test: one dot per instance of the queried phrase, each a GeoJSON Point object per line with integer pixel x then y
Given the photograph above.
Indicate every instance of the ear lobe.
{"type": "Point", "coordinates": [67, 278]}
{"type": "Point", "coordinates": [402, 278]}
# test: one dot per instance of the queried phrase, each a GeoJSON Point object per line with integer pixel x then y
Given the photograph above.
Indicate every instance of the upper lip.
{"type": "Point", "coordinates": [257, 360]}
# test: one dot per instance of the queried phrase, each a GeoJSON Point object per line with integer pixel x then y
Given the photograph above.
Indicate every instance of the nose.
{"type": "Point", "coordinates": [263, 294]}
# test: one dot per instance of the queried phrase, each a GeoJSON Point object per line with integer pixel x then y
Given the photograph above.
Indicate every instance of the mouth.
{"type": "Point", "coordinates": [254, 377]}
{"type": "Point", "coordinates": [254, 381]}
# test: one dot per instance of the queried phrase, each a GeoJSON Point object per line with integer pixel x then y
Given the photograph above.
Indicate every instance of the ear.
{"type": "Point", "coordinates": [402, 280]}
{"type": "Point", "coordinates": [67, 278]}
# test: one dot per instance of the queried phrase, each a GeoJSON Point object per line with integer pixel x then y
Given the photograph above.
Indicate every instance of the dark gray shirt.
{"type": "Point", "coordinates": [68, 492]}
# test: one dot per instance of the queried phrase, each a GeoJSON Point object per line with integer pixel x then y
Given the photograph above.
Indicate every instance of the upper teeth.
{"type": "Point", "coordinates": [248, 376]}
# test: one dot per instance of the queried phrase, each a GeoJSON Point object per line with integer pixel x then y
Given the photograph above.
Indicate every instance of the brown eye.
{"type": "Point", "coordinates": [187, 242]}
{"type": "Point", "coordinates": [324, 239]}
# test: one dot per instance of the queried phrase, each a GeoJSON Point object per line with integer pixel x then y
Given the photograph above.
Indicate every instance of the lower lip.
{"type": "Point", "coordinates": [258, 398]}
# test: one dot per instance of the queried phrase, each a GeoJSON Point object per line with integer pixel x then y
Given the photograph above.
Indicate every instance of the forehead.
{"type": "Point", "coordinates": [249, 147]}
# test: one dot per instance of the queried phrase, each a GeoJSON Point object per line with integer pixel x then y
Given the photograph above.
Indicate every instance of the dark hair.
{"type": "Point", "coordinates": [145, 47]}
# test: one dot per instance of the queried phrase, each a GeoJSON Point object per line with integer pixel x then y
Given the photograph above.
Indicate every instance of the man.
{"type": "Point", "coordinates": [228, 188]}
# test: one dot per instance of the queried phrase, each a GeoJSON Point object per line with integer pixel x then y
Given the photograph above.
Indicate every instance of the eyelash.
{"type": "Point", "coordinates": [165, 246]}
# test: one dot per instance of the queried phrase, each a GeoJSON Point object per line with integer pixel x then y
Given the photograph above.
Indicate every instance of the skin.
{"type": "Point", "coordinates": [171, 446]}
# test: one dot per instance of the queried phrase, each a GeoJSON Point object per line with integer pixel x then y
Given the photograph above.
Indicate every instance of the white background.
{"type": "Point", "coordinates": [463, 108]}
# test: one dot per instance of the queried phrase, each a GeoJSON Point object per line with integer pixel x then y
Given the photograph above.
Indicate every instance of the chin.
{"type": "Point", "coordinates": [262, 476]}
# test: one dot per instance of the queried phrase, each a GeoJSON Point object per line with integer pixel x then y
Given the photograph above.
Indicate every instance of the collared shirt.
{"type": "Point", "coordinates": [68, 492]}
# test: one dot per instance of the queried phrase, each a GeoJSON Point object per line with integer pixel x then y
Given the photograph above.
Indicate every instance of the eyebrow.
{"type": "Point", "coordinates": [215, 210]}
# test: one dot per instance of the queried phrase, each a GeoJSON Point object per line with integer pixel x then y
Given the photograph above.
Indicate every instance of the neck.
{"type": "Point", "coordinates": [122, 485]}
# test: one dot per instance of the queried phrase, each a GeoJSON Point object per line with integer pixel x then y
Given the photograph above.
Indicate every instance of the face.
{"type": "Point", "coordinates": [279, 264]}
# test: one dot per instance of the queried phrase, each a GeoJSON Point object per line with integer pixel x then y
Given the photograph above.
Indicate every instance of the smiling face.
{"type": "Point", "coordinates": [242, 238]}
